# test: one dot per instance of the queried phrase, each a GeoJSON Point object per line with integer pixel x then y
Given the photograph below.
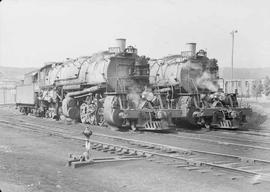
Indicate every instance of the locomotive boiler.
{"type": "Point", "coordinates": [122, 89]}
{"type": "Point", "coordinates": [189, 71]}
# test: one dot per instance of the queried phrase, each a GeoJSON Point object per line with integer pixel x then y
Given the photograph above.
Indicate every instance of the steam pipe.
{"type": "Point", "coordinates": [85, 91]}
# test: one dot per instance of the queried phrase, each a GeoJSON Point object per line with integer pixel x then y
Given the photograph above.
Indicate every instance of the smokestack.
{"type": "Point", "coordinates": [121, 43]}
{"type": "Point", "coordinates": [191, 48]}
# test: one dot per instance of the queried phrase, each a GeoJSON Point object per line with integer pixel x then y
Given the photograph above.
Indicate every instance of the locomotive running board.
{"type": "Point", "coordinates": [75, 163]}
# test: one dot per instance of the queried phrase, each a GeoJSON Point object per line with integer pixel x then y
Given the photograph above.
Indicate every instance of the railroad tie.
{"type": "Point", "coordinates": [132, 152]}
{"type": "Point", "coordinates": [112, 149]}
{"type": "Point", "coordinates": [247, 160]}
{"type": "Point", "coordinates": [99, 147]}
{"type": "Point", "coordinates": [194, 163]}
{"type": "Point", "coordinates": [124, 151]}
{"type": "Point", "coordinates": [181, 165]}
{"type": "Point", "coordinates": [204, 171]}
{"type": "Point", "coordinates": [192, 168]}
{"type": "Point", "coordinates": [149, 147]}
{"type": "Point", "coordinates": [140, 154]}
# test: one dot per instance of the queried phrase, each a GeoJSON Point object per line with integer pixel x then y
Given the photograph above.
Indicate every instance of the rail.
{"type": "Point", "coordinates": [189, 157]}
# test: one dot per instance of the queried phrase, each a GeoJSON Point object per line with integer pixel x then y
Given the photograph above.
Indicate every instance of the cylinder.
{"type": "Point", "coordinates": [191, 47]}
{"type": "Point", "coordinates": [121, 43]}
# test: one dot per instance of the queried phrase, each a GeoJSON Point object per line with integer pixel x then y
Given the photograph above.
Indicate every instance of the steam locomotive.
{"type": "Point", "coordinates": [122, 89]}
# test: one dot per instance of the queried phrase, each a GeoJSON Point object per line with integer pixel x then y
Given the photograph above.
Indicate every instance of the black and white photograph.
{"type": "Point", "coordinates": [134, 96]}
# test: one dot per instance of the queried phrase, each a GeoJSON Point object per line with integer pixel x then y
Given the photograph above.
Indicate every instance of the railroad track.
{"type": "Point", "coordinates": [22, 121]}
{"type": "Point", "coordinates": [232, 134]}
{"type": "Point", "coordinates": [184, 136]}
{"type": "Point", "coordinates": [219, 137]}
{"type": "Point", "coordinates": [263, 145]}
{"type": "Point", "coordinates": [259, 145]}
{"type": "Point", "coordinates": [171, 155]}
{"type": "Point", "coordinates": [222, 140]}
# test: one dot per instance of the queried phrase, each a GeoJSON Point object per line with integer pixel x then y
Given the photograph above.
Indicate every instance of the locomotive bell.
{"type": "Point", "coordinates": [161, 115]}
{"type": "Point", "coordinates": [234, 114]}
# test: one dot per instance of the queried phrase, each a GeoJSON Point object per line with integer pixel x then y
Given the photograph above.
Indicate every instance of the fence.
{"type": "Point", "coordinates": [7, 96]}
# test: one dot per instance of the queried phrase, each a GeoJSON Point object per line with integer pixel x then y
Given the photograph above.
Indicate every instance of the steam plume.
{"type": "Point", "coordinates": [133, 96]}
{"type": "Point", "coordinates": [205, 82]}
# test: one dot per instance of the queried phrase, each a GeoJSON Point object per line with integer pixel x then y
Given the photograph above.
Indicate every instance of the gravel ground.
{"type": "Point", "coordinates": [31, 161]}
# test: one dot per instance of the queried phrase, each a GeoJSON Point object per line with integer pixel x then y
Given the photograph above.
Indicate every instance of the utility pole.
{"type": "Point", "coordinates": [232, 33]}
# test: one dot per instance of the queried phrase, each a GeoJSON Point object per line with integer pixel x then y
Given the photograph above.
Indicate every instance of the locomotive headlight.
{"type": "Point", "coordinates": [234, 114]}
{"type": "Point", "coordinates": [123, 115]}
{"type": "Point", "coordinates": [161, 114]}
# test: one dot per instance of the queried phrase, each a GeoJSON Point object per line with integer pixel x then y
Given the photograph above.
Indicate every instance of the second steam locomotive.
{"type": "Point", "coordinates": [122, 89]}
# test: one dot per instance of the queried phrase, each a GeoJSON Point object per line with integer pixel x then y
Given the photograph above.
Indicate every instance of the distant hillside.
{"type": "Point", "coordinates": [16, 74]}
{"type": "Point", "coordinates": [245, 73]}
{"type": "Point", "coordinates": [13, 73]}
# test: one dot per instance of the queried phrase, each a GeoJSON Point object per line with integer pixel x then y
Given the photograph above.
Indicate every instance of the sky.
{"type": "Point", "coordinates": [33, 32]}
